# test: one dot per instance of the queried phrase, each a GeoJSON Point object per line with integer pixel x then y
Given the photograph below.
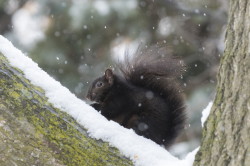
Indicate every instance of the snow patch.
{"type": "Point", "coordinates": [102, 7]}
{"type": "Point", "coordinates": [166, 26]}
{"type": "Point", "coordinates": [205, 113]}
{"type": "Point", "coordinates": [189, 159]}
{"type": "Point", "coordinates": [28, 25]}
{"type": "Point", "coordinates": [140, 150]}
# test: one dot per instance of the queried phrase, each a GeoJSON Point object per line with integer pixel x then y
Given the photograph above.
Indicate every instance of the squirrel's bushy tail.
{"type": "Point", "coordinates": [156, 70]}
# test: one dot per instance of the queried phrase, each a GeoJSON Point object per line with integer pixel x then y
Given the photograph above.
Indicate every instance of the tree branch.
{"type": "Point", "coordinates": [34, 132]}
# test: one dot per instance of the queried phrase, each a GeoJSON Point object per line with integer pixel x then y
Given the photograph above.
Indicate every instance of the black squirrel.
{"type": "Point", "coordinates": [145, 97]}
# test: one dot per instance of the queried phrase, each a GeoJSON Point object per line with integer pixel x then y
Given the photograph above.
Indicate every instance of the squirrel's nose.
{"type": "Point", "coordinates": [91, 96]}
{"type": "Point", "coordinates": [88, 96]}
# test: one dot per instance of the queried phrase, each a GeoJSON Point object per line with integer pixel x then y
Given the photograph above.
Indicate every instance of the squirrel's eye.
{"type": "Point", "coordinates": [99, 84]}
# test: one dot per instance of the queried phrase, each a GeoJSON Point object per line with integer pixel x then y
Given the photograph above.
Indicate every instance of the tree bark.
{"type": "Point", "coordinates": [226, 135]}
{"type": "Point", "coordinates": [34, 132]}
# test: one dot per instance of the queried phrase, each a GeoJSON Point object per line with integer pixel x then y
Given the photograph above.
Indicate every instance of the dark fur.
{"type": "Point", "coordinates": [146, 98]}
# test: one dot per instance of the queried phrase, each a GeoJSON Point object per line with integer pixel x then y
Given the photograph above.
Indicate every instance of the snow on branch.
{"type": "Point", "coordinates": [140, 150]}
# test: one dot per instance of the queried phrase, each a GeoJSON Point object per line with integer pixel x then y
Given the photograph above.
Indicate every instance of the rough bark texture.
{"type": "Point", "coordinates": [226, 135]}
{"type": "Point", "coordinates": [33, 132]}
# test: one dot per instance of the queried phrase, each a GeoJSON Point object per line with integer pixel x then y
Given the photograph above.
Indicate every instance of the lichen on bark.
{"type": "Point", "coordinates": [34, 132]}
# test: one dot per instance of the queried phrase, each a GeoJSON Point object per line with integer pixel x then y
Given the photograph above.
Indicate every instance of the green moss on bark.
{"type": "Point", "coordinates": [40, 134]}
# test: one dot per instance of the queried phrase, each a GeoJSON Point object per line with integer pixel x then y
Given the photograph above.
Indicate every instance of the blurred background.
{"type": "Point", "coordinates": [75, 40]}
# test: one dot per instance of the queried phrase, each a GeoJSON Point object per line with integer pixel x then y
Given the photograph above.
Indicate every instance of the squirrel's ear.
{"type": "Point", "coordinates": [109, 76]}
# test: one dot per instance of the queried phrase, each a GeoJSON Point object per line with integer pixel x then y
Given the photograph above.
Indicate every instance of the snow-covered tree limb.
{"type": "Point", "coordinates": [34, 132]}
{"type": "Point", "coordinates": [43, 123]}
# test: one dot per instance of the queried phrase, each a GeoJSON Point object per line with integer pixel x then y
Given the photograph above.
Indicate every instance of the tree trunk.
{"type": "Point", "coordinates": [226, 135]}
{"type": "Point", "coordinates": [33, 132]}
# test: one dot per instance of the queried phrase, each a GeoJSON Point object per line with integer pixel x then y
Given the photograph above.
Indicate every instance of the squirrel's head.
{"type": "Point", "coordinates": [101, 86]}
